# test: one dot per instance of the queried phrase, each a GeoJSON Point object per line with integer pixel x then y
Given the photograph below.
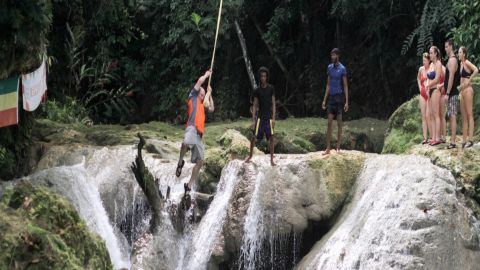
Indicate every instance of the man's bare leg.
{"type": "Point", "coordinates": [181, 162]}
{"type": "Point", "coordinates": [195, 173]}
{"type": "Point", "coordinates": [252, 144]}
{"type": "Point", "coordinates": [339, 131]}
{"type": "Point", "coordinates": [183, 151]}
{"type": "Point", "coordinates": [271, 150]}
{"type": "Point", "coordinates": [329, 133]}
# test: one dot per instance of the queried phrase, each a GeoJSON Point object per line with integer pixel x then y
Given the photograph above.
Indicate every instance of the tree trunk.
{"type": "Point", "coordinates": [148, 184]}
{"type": "Point", "coordinates": [248, 64]}
{"type": "Point", "coordinates": [270, 49]}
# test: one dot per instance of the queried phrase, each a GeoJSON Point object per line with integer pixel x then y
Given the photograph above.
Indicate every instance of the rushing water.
{"type": "Point", "coordinates": [104, 191]}
{"type": "Point", "coordinates": [73, 183]}
{"type": "Point", "coordinates": [205, 235]}
{"type": "Point", "coordinates": [262, 247]}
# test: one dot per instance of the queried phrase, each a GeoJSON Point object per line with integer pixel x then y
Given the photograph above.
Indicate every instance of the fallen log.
{"type": "Point", "coordinates": [148, 184]}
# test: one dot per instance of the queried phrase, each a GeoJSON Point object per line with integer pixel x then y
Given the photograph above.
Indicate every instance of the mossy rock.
{"type": "Point", "coordinates": [102, 135]}
{"type": "Point", "coordinates": [215, 160]}
{"type": "Point", "coordinates": [291, 144]}
{"type": "Point", "coordinates": [404, 129]}
{"type": "Point", "coordinates": [235, 144]}
{"type": "Point", "coordinates": [232, 145]}
{"type": "Point", "coordinates": [41, 230]}
{"type": "Point", "coordinates": [340, 171]}
{"type": "Point", "coordinates": [463, 164]}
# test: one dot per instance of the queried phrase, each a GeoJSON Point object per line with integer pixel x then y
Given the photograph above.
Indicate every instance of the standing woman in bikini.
{"type": "Point", "coordinates": [443, 105]}
{"type": "Point", "coordinates": [433, 75]}
{"type": "Point", "coordinates": [467, 72]}
{"type": "Point", "coordinates": [423, 98]}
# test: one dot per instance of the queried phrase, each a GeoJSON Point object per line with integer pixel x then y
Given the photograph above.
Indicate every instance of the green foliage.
{"type": "Point", "coordinates": [15, 146]}
{"type": "Point", "coordinates": [7, 162]}
{"type": "Point", "coordinates": [69, 111]}
{"type": "Point", "coordinates": [467, 33]}
{"type": "Point", "coordinates": [196, 19]}
{"type": "Point", "coordinates": [23, 39]}
{"type": "Point", "coordinates": [437, 17]}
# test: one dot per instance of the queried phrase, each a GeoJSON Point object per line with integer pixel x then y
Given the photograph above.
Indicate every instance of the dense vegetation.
{"type": "Point", "coordinates": [114, 61]}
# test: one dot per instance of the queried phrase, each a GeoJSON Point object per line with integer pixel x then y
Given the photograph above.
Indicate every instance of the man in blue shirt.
{"type": "Point", "coordinates": [337, 86]}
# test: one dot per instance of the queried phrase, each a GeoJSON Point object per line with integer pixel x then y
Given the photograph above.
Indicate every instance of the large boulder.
{"type": "Point", "coordinates": [232, 145]}
{"type": "Point", "coordinates": [464, 164]}
{"type": "Point", "coordinates": [404, 214]}
{"type": "Point", "coordinates": [288, 198]}
{"type": "Point", "coordinates": [41, 230]}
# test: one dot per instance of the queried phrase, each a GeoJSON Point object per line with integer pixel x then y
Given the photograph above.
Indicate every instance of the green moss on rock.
{"type": "Point", "coordinates": [404, 129]}
{"type": "Point", "coordinates": [340, 171]}
{"type": "Point", "coordinates": [41, 230]}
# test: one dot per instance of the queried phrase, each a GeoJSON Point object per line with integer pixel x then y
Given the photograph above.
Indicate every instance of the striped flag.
{"type": "Point", "coordinates": [9, 102]}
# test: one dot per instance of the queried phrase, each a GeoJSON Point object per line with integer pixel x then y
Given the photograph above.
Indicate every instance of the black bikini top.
{"type": "Point", "coordinates": [465, 74]}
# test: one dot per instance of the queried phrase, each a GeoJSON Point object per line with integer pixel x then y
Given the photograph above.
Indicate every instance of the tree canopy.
{"type": "Point", "coordinates": [114, 61]}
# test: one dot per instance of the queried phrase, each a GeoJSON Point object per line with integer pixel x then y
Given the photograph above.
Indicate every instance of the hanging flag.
{"type": "Point", "coordinates": [9, 102]}
{"type": "Point", "coordinates": [34, 87]}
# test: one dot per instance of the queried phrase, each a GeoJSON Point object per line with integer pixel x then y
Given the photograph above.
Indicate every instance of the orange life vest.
{"type": "Point", "coordinates": [196, 114]}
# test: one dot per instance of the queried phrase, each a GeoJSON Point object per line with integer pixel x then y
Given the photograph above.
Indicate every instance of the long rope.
{"type": "Point", "coordinates": [206, 102]}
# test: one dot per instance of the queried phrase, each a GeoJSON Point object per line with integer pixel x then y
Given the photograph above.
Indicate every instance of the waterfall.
{"type": "Point", "coordinates": [209, 229]}
{"type": "Point", "coordinates": [73, 183]}
{"type": "Point", "coordinates": [254, 228]}
{"type": "Point", "coordinates": [404, 214]}
{"type": "Point", "coordinates": [265, 242]}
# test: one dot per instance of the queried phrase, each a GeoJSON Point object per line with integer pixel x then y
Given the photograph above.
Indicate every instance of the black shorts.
{"type": "Point", "coordinates": [335, 105]}
{"type": "Point", "coordinates": [263, 127]}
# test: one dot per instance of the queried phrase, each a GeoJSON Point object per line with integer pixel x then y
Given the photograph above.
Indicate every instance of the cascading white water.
{"type": "Point", "coordinates": [106, 195]}
{"type": "Point", "coordinates": [254, 229]}
{"type": "Point", "coordinates": [206, 234]}
{"type": "Point", "coordinates": [266, 244]}
{"type": "Point", "coordinates": [73, 183]}
{"type": "Point", "coordinates": [404, 214]}
{"type": "Point", "coordinates": [123, 223]}
{"type": "Point", "coordinates": [109, 170]}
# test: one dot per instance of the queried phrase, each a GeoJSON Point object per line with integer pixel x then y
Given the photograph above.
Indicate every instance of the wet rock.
{"type": "Point", "coordinates": [434, 230]}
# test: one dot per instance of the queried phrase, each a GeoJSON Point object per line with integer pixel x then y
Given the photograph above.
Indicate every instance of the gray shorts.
{"type": "Point", "coordinates": [452, 106]}
{"type": "Point", "coordinates": [193, 140]}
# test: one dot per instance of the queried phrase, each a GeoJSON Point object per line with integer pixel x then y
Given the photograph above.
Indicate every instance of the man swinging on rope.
{"type": "Point", "coordinates": [195, 129]}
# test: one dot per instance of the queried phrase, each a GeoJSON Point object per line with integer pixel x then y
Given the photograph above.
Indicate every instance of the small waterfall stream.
{"type": "Point", "coordinates": [205, 235]}
{"type": "Point", "coordinates": [73, 183]}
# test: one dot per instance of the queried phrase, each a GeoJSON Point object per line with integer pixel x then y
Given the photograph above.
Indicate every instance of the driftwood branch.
{"type": "Point", "coordinates": [149, 187]}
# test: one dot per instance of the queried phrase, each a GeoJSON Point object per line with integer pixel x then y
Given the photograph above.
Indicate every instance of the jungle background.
{"type": "Point", "coordinates": [134, 61]}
